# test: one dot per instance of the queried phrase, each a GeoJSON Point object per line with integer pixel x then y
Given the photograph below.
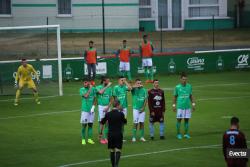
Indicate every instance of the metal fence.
{"type": "Point", "coordinates": [41, 44]}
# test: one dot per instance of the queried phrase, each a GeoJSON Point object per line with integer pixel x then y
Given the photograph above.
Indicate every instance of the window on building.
{"type": "Point", "coordinates": [145, 13]}
{"type": "Point", "coordinates": [203, 8]}
{"type": "Point", "coordinates": [145, 2]}
{"type": "Point", "coordinates": [145, 9]}
{"type": "Point", "coordinates": [64, 7]}
{"type": "Point", "coordinates": [5, 7]}
{"type": "Point", "coordinates": [203, 11]}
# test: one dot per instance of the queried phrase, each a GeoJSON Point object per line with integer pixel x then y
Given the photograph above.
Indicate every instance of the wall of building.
{"type": "Point", "coordinates": [147, 26]}
{"type": "Point", "coordinates": [120, 15]}
{"type": "Point", "coordinates": [207, 24]}
{"type": "Point", "coordinates": [188, 21]}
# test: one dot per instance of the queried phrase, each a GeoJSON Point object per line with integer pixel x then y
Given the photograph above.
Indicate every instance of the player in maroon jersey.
{"type": "Point", "coordinates": [234, 139]}
{"type": "Point", "coordinates": [156, 105]}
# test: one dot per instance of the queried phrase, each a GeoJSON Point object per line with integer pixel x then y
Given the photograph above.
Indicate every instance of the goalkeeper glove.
{"type": "Point", "coordinates": [15, 84]}
{"type": "Point", "coordinates": [38, 81]}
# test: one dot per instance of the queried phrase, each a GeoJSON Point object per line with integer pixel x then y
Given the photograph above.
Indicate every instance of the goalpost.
{"type": "Point", "coordinates": [30, 29]}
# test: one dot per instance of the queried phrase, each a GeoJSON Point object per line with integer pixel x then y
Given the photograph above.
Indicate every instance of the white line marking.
{"type": "Point", "coordinates": [226, 84]}
{"type": "Point", "coordinates": [223, 98]}
{"type": "Point", "coordinates": [212, 85]}
{"type": "Point", "coordinates": [145, 154]}
{"type": "Point", "coordinates": [61, 112]}
{"type": "Point", "coordinates": [41, 97]}
{"type": "Point", "coordinates": [219, 98]}
{"type": "Point", "coordinates": [25, 98]}
{"type": "Point", "coordinates": [226, 117]}
{"type": "Point", "coordinates": [41, 114]}
{"type": "Point", "coordinates": [167, 88]}
{"type": "Point", "coordinates": [224, 50]}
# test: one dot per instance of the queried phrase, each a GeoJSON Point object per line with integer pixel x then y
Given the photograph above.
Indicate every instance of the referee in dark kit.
{"type": "Point", "coordinates": [116, 121]}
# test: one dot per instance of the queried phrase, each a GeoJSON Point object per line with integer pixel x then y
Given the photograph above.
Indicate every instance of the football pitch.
{"type": "Point", "coordinates": [50, 134]}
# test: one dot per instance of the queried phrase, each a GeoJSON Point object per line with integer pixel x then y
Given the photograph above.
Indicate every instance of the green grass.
{"type": "Point", "coordinates": [54, 139]}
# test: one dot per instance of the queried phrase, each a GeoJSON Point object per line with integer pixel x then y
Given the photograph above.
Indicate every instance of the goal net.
{"type": "Point", "coordinates": [41, 47]}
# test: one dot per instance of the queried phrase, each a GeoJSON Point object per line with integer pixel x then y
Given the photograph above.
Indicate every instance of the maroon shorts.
{"type": "Point", "coordinates": [158, 117]}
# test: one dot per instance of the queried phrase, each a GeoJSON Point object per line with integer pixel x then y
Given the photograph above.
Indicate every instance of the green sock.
{"type": "Point", "coordinates": [99, 128]}
{"type": "Point", "coordinates": [186, 127]}
{"type": "Point", "coordinates": [134, 133]}
{"type": "Point", "coordinates": [18, 93]}
{"type": "Point", "coordinates": [122, 73]}
{"type": "Point", "coordinates": [151, 74]}
{"type": "Point", "coordinates": [90, 132]}
{"type": "Point", "coordinates": [105, 132]}
{"type": "Point", "coordinates": [146, 72]}
{"type": "Point", "coordinates": [83, 133]}
{"type": "Point", "coordinates": [36, 96]}
{"type": "Point", "coordinates": [178, 126]}
{"type": "Point", "coordinates": [142, 132]}
{"type": "Point", "coordinates": [129, 75]}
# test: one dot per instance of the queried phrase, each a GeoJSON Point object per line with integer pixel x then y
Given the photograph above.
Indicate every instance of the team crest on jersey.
{"type": "Point", "coordinates": [157, 98]}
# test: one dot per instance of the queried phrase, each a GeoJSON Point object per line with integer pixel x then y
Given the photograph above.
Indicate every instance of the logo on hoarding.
{"type": "Point", "coordinates": [242, 61]}
{"type": "Point", "coordinates": [101, 68]}
{"type": "Point", "coordinates": [68, 72]}
{"type": "Point", "coordinates": [47, 71]}
{"type": "Point", "coordinates": [220, 63]}
{"type": "Point", "coordinates": [196, 63]}
{"type": "Point", "coordinates": [171, 66]}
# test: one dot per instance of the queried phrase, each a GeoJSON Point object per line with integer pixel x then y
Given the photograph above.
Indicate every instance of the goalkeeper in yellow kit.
{"type": "Point", "coordinates": [24, 78]}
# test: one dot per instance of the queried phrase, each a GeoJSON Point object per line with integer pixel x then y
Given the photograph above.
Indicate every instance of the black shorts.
{"type": "Point", "coordinates": [158, 117]}
{"type": "Point", "coordinates": [115, 140]}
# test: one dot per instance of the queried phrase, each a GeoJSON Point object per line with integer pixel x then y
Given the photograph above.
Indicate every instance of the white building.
{"type": "Point", "coordinates": [183, 14]}
{"type": "Point", "coordinates": [120, 15]}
